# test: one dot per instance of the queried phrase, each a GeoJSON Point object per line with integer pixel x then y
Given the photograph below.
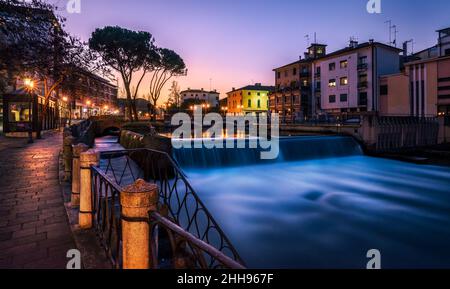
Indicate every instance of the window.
{"type": "Point", "coordinates": [278, 75]}
{"type": "Point", "coordinates": [249, 93]}
{"type": "Point", "coordinates": [249, 103]}
{"type": "Point", "coordinates": [363, 60]}
{"type": "Point", "coordinates": [332, 99]}
{"type": "Point", "coordinates": [383, 90]}
{"type": "Point", "coordinates": [332, 83]}
{"type": "Point", "coordinates": [286, 74]}
{"type": "Point", "coordinates": [447, 51]}
{"type": "Point", "coordinates": [318, 70]}
{"type": "Point", "coordinates": [259, 103]}
{"type": "Point", "coordinates": [19, 112]}
{"type": "Point", "coordinates": [343, 97]}
{"type": "Point", "coordinates": [344, 80]}
{"type": "Point", "coordinates": [258, 93]}
{"type": "Point", "coordinates": [332, 66]}
{"type": "Point", "coordinates": [344, 64]}
{"type": "Point", "coordinates": [294, 71]}
{"type": "Point", "coordinates": [362, 100]}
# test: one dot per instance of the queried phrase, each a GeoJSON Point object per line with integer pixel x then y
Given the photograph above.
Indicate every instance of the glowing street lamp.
{"type": "Point", "coordinates": [65, 99]}
{"type": "Point", "coordinates": [29, 85]}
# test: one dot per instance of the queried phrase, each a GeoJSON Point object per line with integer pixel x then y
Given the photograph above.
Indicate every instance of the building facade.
{"type": "Point", "coordinates": [208, 97]}
{"type": "Point", "coordinates": [249, 99]}
{"type": "Point", "coordinates": [348, 80]}
{"type": "Point", "coordinates": [90, 95]}
{"type": "Point", "coordinates": [293, 95]}
{"type": "Point", "coordinates": [423, 88]}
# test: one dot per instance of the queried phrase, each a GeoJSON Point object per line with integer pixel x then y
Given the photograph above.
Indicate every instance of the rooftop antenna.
{"type": "Point", "coordinates": [395, 35]}
{"type": "Point", "coordinates": [307, 39]}
{"type": "Point", "coordinates": [210, 84]}
{"type": "Point", "coordinates": [315, 37]}
{"type": "Point", "coordinates": [390, 30]}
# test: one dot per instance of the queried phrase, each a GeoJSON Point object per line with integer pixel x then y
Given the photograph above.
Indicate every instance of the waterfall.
{"type": "Point", "coordinates": [291, 149]}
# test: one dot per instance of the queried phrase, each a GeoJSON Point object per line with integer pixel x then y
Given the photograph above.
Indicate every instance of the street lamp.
{"type": "Point", "coordinates": [29, 85]}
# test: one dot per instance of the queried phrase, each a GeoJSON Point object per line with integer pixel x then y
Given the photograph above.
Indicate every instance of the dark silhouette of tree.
{"type": "Point", "coordinates": [128, 52]}
{"type": "Point", "coordinates": [169, 65]}
{"type": "Point", "coordinates": [34, 44]}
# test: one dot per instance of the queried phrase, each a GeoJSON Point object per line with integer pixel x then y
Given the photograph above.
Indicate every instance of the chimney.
{"type": "Point", "coordinates": [405, 48]}
{"type": "Point", "coordinates": [371, 41]}
{"type": "Point", "coordinates": [202, 89]}
{"type": "Point", "coordinates": [233, 89]}
{"type": "Point", "coordinates": [353, 44]}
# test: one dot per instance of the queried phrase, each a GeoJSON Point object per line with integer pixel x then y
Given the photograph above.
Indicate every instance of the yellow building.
{"type": "Point", "coordinates": [249, 99]}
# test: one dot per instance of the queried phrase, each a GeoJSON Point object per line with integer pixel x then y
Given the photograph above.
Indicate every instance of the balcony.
{"type": "Point", "coordinates": [362, 66]}
{"type": "Point", "coordinates": [304, 87]}
{"type": "Point", "coordinates": [304, 74]}
{"type": "Point", "coordinates": [363, 85]}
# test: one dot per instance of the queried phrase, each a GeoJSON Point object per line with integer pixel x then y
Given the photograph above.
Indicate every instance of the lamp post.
{"type": "Point", "coordinates": [29, 85]}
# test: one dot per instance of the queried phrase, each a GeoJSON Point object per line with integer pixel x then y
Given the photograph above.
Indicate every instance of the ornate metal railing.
{"type": "Point", "coordinates": [189, 226]}
{"type": "Point", "coordinates": [106, 214]}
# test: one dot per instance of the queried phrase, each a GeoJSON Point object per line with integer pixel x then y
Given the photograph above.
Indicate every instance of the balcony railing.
{"type": "Point", "coordinates": [304, 74]}
{"type": "Point", "coordinates": [363, 84]}
{"type": "Point", "coordinates": [362, 66]}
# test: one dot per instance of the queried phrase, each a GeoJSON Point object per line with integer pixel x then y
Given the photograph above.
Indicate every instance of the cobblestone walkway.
{"type": "Point", "coordinates": [34, 229]}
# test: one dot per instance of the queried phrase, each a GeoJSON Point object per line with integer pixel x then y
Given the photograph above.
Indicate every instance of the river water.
{"type": "Point", "coordinates": [323, 204]}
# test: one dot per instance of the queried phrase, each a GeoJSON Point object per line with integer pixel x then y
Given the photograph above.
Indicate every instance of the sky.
{"type": "Point", "coordinates": [233, 43]}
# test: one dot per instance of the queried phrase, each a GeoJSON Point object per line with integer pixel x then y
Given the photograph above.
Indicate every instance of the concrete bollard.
{"type": "Point", "coordinates": [67, 157]}
{"type": "Point", "coordinates": [77, 150]}
{"type": "Point", "coordinates": [136, 201]}
{"type": "Point", "coordinates": [87, 159]}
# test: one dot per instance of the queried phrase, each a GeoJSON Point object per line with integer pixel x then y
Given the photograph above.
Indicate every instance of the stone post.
{"type": "Point", "coordinates": [77, 150]}
{"type": "Point", "coordinates": [136, 201]}
{"type": "Point", "coordinates": [87, 159]}
{"type": "Point", "coordinates": [67, 157]}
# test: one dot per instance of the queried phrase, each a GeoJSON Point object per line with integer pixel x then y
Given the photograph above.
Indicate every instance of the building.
{"type": "Point", "coordinates": [293, 92]}
{"type": "Point", "coordinates": [249, 99]}
{"type": "Point", "coordinates": [90, 95]}
{"type": "Point", "coordinates": [201, 95]}
{"type": "Point", "coordinates": [347, 81]}
{"type": "Point", "coordinates": [423, 88]}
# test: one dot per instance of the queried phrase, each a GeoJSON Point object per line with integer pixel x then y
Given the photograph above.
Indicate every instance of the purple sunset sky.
{"type": "Point", "coordinates": [239, 42]}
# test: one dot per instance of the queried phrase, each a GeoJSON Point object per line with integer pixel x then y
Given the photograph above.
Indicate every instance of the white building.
{"type": "Point", "coordinates": [210, 97]}
{"type": "Point", "coordinates": [347, 81]}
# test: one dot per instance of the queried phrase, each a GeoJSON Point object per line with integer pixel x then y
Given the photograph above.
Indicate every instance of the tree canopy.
{"type": "Point", "coordinates": [128, 52]}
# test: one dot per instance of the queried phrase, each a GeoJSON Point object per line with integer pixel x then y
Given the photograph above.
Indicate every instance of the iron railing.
{"type": "Point", "coordinates": [187, 226]}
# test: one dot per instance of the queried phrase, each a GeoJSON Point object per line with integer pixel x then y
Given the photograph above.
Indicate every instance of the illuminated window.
{"type": "Point", "coordinates": [344, 64]}
{"type": "Point", "coordinates": [332, 83]}
{"type": "Point", "coordinates": [344, 81]}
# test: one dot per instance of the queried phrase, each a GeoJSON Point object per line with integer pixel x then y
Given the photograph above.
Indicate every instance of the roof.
{"type": "Point", "coordinates": [341, 51]}
{"type": "Point", "coordinates": [443, 29]}
{"type": "Point", "coordinates": [255, 87]}
{"type": "Point", "coordinates": [359, 46]}
{"type": "Point", "coordinates": [431, 59]}
{"type": "Point", "coordinates": [199, 91]}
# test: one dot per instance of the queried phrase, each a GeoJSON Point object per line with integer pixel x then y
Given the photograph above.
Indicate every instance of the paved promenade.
{"type": "Point", "coordinates": [34, 229]}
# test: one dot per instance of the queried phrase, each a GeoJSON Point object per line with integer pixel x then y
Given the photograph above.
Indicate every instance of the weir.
{"type": "Point", "coordinates": [291, 149]}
